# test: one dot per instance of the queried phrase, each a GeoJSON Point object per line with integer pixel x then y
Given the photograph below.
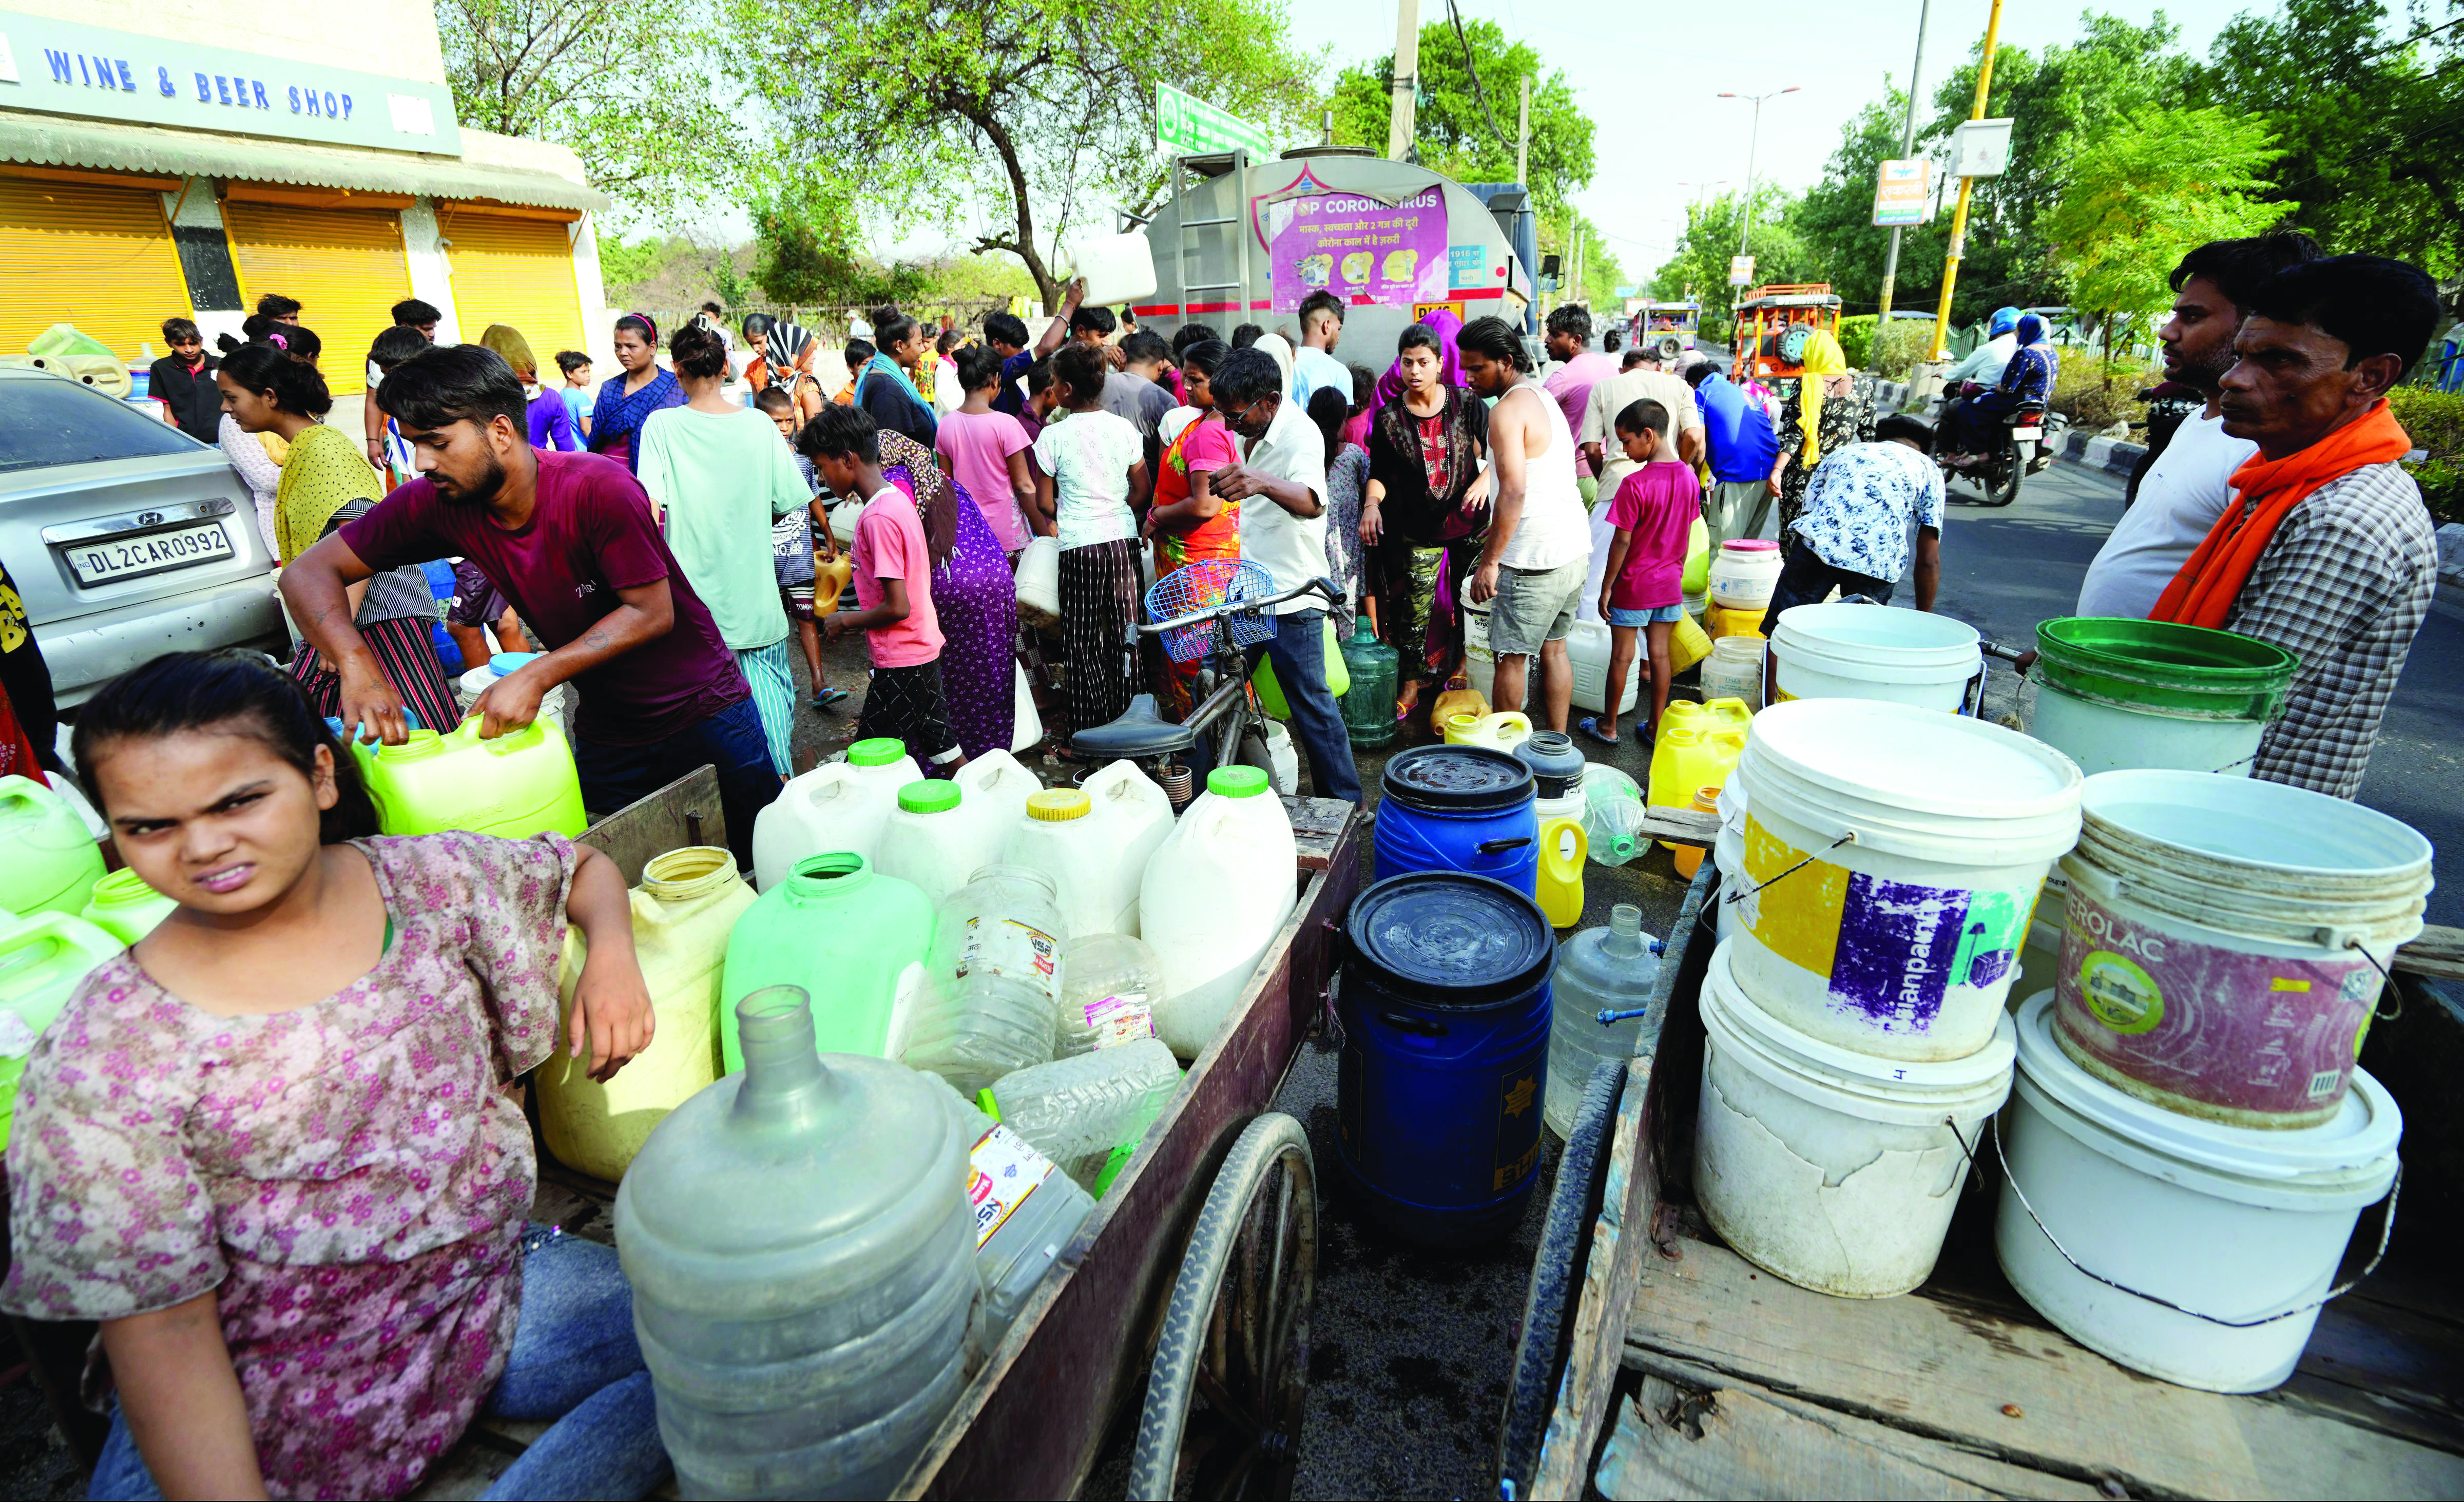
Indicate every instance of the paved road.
{"type": "Point", "coordinates": [2005, 570]}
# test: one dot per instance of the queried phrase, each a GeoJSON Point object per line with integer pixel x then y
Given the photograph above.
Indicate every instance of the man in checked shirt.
{"type": "Point", "coordinates": [2325, 549]}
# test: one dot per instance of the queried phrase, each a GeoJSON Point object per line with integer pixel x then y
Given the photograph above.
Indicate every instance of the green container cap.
{"type": "Point", "coordinates": [927, 797]}
{"type": "Point", "coordinates": [2159, 667]}
{"type": "Point", "coordinates": [879, 751]}
{"type": "Point", "coordinates": [1236, 782]}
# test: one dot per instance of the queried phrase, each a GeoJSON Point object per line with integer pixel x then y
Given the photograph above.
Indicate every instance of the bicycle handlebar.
{"type": "Point", "coordinates": [1323, 587]}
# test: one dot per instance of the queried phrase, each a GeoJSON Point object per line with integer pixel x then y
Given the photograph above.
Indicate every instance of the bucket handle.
{"type": "Point", "coordinates": [2387, 1231]}
{"type": "Point", "coordinates": [1849, 838]}
{"type": "Point", "coordinates": [1418, 1025]}
{"type": "Point", "coordinates": [1501, 847]}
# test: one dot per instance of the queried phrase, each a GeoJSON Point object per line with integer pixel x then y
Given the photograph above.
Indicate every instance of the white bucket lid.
{"type": "Point", "coordinates": [1916, 782]}
{"type": "Point", "coordinates": [1864, 635]}
{"type": "Point", "coordinates": [1978, 1081]}
{"type": "Point", "coordinates": [2260, 827]}
{"type": "Point", "coordinates": [2360, 1140]}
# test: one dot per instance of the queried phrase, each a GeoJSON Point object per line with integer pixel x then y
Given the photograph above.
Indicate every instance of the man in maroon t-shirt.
{"type": "Point", "coordinates": [569, 539]}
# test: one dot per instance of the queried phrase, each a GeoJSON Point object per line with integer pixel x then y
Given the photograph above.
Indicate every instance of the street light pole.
{"type": "Point", "coordinates": [1907, 144]}
{"type": "Point", "coordinates": [1401, 106]}
{"type": "Point", "coordinates": [1754, 144]}
{"type": "Point", "coordinates": [1959, 216]}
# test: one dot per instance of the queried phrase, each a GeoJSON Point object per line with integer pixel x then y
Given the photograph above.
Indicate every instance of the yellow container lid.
{"type": "Point", "coordinates": [1057, 805]}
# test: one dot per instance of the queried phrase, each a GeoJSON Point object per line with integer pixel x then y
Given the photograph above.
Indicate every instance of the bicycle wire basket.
{"type": "Point", "coordinates": [1211, 581]}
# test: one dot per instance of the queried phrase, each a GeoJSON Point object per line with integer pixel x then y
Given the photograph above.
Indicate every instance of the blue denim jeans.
{"type": "Point", "coordinates": [731, 740]}
{"type": "Point", "coordinates": [574, 1360]}
{"type": "Point", "coordinates": [1298, 651]}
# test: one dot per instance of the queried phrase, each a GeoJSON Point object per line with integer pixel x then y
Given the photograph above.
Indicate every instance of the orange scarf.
{"type": "Point", "coordinates": [2204, 591]}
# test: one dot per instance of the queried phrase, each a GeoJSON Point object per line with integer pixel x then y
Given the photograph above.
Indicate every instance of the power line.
{"type": "Point", "coordinates": [1472, 68]}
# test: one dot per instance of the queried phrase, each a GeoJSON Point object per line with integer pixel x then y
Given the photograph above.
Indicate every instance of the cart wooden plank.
{"type": "Point", "coordinates": [1033, 1422]}
{"type": "Point", "coordinates": [1705, 1436]}
{"type": "Point", "coordinates": [1953, 1369]}
{"type": "Point", "coordinates": [2438, 952]}
{"type": "Point", "coordinates": [685, 813]}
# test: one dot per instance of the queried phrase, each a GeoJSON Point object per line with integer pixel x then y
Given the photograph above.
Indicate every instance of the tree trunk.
{"type": "Point", "coordinates": [2109, 320]}
{"type": "Point", "coordinates": [1047, 286]}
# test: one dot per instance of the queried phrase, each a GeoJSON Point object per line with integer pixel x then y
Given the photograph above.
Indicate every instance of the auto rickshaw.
{"type": "Point", "coordinates": [1772, 321]}
{"type": "Point", "coordinates": [1667, 328]}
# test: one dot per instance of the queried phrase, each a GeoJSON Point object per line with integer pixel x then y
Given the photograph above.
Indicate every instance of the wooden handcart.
{"type": "Point", "coordinates": [1659, 1363]}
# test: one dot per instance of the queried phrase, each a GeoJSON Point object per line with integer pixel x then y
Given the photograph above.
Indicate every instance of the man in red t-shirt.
{"type": "Point", "coordinates": [569, 539]}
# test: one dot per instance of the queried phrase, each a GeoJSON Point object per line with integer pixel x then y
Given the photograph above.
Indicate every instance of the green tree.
{"type": "Point", "coordinates": [1034, 111]}
{"type": "Point", "coordinates": [2149, 193]}
{"type": "Point", "coordinates": [2370, 123]}
{"type": "Point", "coordinates": [804, 250]}
{"type": "Point", "coordinates": [601, 77]}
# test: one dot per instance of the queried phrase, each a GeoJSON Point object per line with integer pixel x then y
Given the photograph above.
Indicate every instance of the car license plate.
{"type": "Point", "coordinates": [2027, 433]}
{"type": "Point", "coordinates": [110, 558]}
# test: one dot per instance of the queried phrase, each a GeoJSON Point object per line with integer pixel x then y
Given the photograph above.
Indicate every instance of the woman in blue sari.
{"type": "Point", "coordinates": [885, 387]}
{"type": "Point", "coordinates": [628, 402]}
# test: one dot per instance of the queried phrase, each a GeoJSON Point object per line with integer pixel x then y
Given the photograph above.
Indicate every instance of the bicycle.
{"type": "Point", "coordinates": [1227, 718]}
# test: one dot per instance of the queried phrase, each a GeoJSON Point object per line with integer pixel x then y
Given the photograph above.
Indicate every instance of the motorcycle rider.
{"type": "Point", "coordinates": [1971, 428]}
{"type": "Point", "coordinates": [1984, 363]}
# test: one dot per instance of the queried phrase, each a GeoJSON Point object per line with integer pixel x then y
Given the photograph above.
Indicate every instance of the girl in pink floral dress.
{"type": "Point", "coordinates": [271, 1148]}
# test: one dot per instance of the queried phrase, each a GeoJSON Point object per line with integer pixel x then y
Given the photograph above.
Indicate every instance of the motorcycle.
{"type": "Point", "coordinates": [2029, 438]}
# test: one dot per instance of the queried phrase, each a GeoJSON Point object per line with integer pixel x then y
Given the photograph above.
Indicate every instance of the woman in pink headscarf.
{"type": "Point", "coordinates": [1443, 324]}
{"type": "Point", "coordinates": [1425, 509]}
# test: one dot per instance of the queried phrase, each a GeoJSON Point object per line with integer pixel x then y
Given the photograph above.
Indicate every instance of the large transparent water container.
{"type": "Point", "coordinates": [1086, 1113]}
{"type": "Point", "coordinates": [992, 989]}
{"type": "Point", "coordinates": [802, 1264]}
{"type": "Point", "coordinates": [1026, 1211]}
{"type": "Point", "coordinates": [1108, 994]}
{"type": "Point", "coordinates": [1612, 968]}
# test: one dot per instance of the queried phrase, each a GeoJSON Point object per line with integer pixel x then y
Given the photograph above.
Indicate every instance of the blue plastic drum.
{"type": "Point", "coordinates": [1467, 808]}
{"type": "Point", "coordinates": [1444, 1012]}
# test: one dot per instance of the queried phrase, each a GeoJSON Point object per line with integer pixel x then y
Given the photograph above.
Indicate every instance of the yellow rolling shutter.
{"type": "Point", "coordinates": [344, 265]}
{"type": "Point", "coordinates": [519, 273]}
{"type": "Point", "coordinates": [99, 258]}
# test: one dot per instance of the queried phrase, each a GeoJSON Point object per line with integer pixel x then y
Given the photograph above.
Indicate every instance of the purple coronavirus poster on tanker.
{"type": "Point", "coordinates": [1357, 247]}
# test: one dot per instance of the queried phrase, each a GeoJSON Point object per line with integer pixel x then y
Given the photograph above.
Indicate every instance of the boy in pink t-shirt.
{"type": "Point", "coordinates": [893, 588]}
{"type": "Point", "coordinates": [985, 450]}
{"type": "Point", "coordinates": [1644, 588]}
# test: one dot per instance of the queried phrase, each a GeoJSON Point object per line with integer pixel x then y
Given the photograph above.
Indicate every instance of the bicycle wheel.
{"type": "Point", "coordinates": [1231, 1369]}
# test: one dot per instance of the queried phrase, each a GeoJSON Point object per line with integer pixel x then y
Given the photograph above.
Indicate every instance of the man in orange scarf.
{"type": "Point", "coordinates": [2327, 549]}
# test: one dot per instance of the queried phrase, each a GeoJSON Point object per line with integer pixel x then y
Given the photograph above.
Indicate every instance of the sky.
{"type": "Point", "coordinates": [1640, 78]}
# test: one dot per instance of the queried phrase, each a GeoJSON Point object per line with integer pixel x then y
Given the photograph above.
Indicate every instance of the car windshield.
{"type": "Point", "coordinates": [47, 421]}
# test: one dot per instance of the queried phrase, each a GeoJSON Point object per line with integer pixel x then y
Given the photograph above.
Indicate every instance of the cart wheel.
{"type": "Point", "coordinates": [1231, 1369]}
{"type": "Point", "coordinates": [1557, 1275]}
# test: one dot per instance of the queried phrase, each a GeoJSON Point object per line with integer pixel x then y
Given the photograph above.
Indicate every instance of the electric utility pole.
{"type": "Point", "coordinates": [1523, 140]}
{"type": "Point", "coordinates": [1407, 78]}
{"type": "Point", "coordinates": [1959, 216]}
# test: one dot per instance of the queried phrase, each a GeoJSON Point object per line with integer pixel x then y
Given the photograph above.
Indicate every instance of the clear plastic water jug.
{"type": "Point", "coordinates": [1216, 893]}
{"type": "Point", "coordinates": [1093, 842]}
{"type": "Point", "coordinates": [939, 837]}
{"type": "Point", "coordinates": [802, 1263]}
{"type": "Point", "coordinates": [851, 935]}
{"type": "Point", "coordinates": [689, 901]}
{"type": "Point", "coordinates": [1612, 814]}
{"type": "Point", "coordinates": [1088, 1113]}
{"type": "Point", "coordinates": [1025, 1210]}
{"type": "Point", "coordinates": [53, 861]}
{"type": "Point", "coordinates": [1613, 968]}
{"type": "Point", "coordinates": [125, 908]}
{"type": "Point", "coordinates": [1108, 994]}
{"type": "Point", "coordinates": [43, 956]}
{"type": "Point", "coordinates": [520, 784]}
{"type": "Point", "coordinates": [838, 806]}
{"type": "Point", "coordinates": [992, 990]}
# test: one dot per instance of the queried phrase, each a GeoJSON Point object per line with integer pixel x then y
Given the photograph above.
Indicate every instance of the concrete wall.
{"type": "Point", "coordinates": [393, 37]}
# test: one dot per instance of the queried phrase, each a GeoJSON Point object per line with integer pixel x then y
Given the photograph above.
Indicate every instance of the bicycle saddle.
{"type": "Point", "coordinates": [1139, 732]}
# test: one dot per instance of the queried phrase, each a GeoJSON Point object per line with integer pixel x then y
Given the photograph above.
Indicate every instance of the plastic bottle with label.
{"type": "Point", "coordinates": [1026, 1211]}
{"type": "Point", "coordinates": [1108, 994]}
{"type": "Point", "coordinates": [802, 1260]}
{"type": "Point", "coordinates": [838, 806]}
{"type": "Point", "coordinates": [849, 935]}
{"type": "Point", "coordinates": [992, 992]}
{"type": "Point", "coordinates": [1088, 1113]}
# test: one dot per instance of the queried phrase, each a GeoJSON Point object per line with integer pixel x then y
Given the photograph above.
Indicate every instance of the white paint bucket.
{"type": "Point", "coordinates": [2226, 940]}
{"type": "Point", "coordinates": [2040, 954]}
{"type": "Point", "coordinates": [2230, 1222]}
{"type": "Point", "coordinates": [1876, 653]}
{"type": "Point", "coordinates": [1830, 1167]}
{"type": "Point", "coordinates": [1729, 853]}
{"type": "Point", "coordinates": [1891, 858]}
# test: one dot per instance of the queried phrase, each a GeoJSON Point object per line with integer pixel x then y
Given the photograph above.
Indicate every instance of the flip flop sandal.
{"type": "Point", "coordinates": [829, 697]}
{"type": "Point", "coordinates": [1589, 726]}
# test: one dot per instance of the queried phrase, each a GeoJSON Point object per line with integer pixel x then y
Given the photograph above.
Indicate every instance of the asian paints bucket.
{"type": "Point", "coordinates": [1892, 855]}
{"type": "Point", "coordinates": [1832, 1168]}
{"type": "Point", "coordinates": [2222, 1221]}
{"type": "Point", "coordinates": [1467, 808]}
{"type": "Point", "coordinates": [1873, 651]}
{"type": "Point", "coordinates": [2225, 941]}
{"type": "Point", "coordinates": [2117, 693]}
{"type": "Point", "coordinates": [1445, 1013]}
